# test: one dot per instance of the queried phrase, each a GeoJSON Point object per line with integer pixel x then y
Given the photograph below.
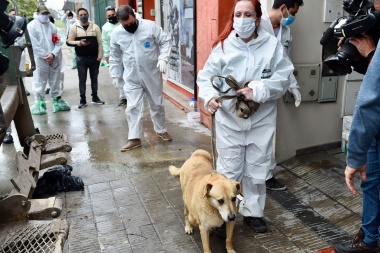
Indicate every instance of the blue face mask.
{"type": "Point", "coordinates": [289, 20]}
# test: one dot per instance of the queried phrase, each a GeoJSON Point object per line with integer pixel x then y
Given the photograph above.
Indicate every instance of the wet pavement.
{"type": "Point", "coordinates": [131, 203]}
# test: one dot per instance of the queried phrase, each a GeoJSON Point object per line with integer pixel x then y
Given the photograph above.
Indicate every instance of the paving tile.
{"type": "Point", "coordinates": [99, 187]}
{"type": "Point", "coordinates": [127, 182]}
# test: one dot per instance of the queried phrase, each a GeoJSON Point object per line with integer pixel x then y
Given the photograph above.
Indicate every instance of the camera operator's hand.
{"type": "Point", "coordinates": [364, 44]}
{"type": "Point", "coordinates": [340, 43]}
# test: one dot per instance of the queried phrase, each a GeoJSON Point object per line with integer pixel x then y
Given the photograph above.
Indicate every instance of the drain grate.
{"type": "Point", "coordinates": [33, 236]}
{"type": "Point", "coordinates": [326, 230]}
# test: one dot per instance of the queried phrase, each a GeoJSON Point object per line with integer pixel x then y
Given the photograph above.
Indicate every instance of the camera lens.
{"type": "Point", "coordinates": [341, 62]}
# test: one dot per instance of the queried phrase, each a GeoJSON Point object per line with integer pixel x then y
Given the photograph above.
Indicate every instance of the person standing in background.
{"type": "Point", "coordinates": [107, 30]}
{"type": "Point", "coordinates": [143, 48]}
{"type": "Point", "coordinates": [86, 38]}
{"type": "Point", "coordinates": [69, 18]}
{"type": "Point", "coordinates": [276, 22]}
{"type": "Point", "coordinates": [47, 51]}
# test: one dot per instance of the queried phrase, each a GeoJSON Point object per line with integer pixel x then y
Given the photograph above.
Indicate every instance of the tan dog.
{"type": "Point", "coordinates": [209, 197]}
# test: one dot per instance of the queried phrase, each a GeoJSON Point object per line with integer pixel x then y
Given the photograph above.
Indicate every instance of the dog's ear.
{"type": "Point", "coordinates": [207, 189]}
{"type": "Point", "coordinates": [238, 187]}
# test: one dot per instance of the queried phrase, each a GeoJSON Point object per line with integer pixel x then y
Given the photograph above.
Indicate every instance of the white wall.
{"type": "Point", "coordinates": [313, 123]}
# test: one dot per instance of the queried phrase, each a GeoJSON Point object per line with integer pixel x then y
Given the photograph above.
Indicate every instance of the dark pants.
{"type": "Point", "coordinates": [92, 64]}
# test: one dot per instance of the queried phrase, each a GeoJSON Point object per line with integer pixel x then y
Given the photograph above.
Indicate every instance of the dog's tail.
{"type": "Point", "coordinates": [174, 170]}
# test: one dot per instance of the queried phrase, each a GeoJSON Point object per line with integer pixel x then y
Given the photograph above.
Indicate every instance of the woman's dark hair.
{"type": "Point", "coordinates": [82, 9]}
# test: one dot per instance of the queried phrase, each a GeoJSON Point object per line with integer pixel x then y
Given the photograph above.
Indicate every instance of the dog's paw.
{"type": "Point", "coordinates": [189, 230]}
{"type": "Point", "coordinates": [231, 251]}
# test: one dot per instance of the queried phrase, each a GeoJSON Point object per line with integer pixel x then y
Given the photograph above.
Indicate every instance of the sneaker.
{"type": "Point", "coordinates": [47, 91]}
{"type": "Point", "coordinates": [60, 105]}
{"type": "Point", "coordinates": [39, 107]}
{"type": "Point", "coordinates": [8, 139]}
{"type": "Point", "coordinates": [257, 224]}
{"type": "Point", "coordinates": [82, 104]}
{"type": "Point", "coordinates": [165, 136]}
{"type": "Point", "coordinates": [96, 100]}
{"type": "Point", "coordinates": [122, 102]}
{"type": "Point", "coordinates": [27, 93]}
{"type": "Point", "coordinates": [131, 144]}
{"type": "Point", "coordinates": [274, 185]}
{"type": "Point", "coordinates": [357, 245]}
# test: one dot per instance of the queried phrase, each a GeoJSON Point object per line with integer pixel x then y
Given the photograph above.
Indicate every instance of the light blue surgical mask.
{"type": "Point", "coordinates": [43, 18]}
{"type": "Point", "coordinates": [289, 20]}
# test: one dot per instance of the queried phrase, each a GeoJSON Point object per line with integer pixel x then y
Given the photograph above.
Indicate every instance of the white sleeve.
{"type": "Point", "coordinates": [163, 40]}
{"type": "Point", "coordinates": [274, 87]}
{"type": "Point", "coordinates": [116, 57]}
{"type": "Point", "coordinates": [211, 67]}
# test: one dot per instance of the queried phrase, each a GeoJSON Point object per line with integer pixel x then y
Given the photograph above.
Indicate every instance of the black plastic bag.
{"type": "Point", "coordinates": [57, 179]}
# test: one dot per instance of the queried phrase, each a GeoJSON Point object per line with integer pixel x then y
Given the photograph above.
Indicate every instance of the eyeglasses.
{"type": "Point", "coordinates": [108, 8]}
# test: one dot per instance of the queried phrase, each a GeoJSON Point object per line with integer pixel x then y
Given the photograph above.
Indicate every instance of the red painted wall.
{"type": "Point", "coordinates": [147, 6]}
{"type": "Point", "coordinates": [211, 19]}
{"type": "Point", "coordinates": [132, 3]}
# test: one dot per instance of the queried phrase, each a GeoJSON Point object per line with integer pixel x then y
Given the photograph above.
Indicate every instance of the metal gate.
{"type": "Point", "coordinates": [100, 11]}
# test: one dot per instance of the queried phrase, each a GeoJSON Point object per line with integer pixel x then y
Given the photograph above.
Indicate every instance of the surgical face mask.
{"type": "Point", "coordinates": [289, 20]}
{"type": "Point", "coordinates": [244, 27]}
{"type": "Point", "coordinates": [132, 27]}
{"type": "Point", "coordinates": [112, 20]}
{"type": "Point", "coordinates": [84, 19]}
{"type": "Point", "coordinates": [43, 18]}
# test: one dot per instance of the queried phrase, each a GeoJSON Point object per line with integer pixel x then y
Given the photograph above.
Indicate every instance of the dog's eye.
{"type": "Point", "coordinates": [233, 199]}
{"type": "Point", "coordinates": [221, 201]}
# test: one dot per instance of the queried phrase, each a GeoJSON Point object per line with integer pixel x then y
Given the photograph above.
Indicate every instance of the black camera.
{"type": "Point", "coordinates": [11, 27]}
{"type": "Point", "coordinates": [362, 19]}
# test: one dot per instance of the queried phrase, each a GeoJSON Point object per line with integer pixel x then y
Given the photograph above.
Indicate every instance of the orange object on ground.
{"type": "Point", "coordinates": [327, 250]}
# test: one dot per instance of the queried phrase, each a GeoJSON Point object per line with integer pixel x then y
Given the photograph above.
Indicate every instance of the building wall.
{"type": "Point", "coordinates": [147, 6]}
{"type": "Point", "coordinates": [209, 25]}
{"type": "Point", "coordinates": [312, 123]}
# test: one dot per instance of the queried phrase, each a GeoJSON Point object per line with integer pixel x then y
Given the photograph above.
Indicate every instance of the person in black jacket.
{"type": "Point", "coordinates": [86, 37]}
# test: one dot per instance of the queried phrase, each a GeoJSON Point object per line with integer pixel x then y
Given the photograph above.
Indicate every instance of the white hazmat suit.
{"type": "Point", "coordinates": [42, 43]}
{"type": "Point", "coordinates": [244, 146]}
{"type": "Point", "coordinates": [284, 35]}
{"type": "Point", "coordinates": [139, 52]}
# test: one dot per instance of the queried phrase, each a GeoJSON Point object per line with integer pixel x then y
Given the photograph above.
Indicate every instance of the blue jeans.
{"type": "Point", "coordinates": [371, 196]}
{"type": "Point", "coordinates": [90, 63]}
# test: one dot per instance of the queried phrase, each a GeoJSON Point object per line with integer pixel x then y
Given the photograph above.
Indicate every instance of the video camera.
{"type": "Point", "coordinates": [11, 27]}
{"type": "Point", "coordinates": [362, 19]}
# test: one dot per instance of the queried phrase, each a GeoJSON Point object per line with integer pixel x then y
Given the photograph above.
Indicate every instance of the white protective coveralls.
{"type": "Point", "coordinates": [244, 146]}
{"type": "Point", "coordinates": [139, 52]}
{"type": "Point", "coordinates": [42, 44]}
{"type": "Point", "coordinates": [285, 37]}
{"type": "Point", "coordinates": [107, 30]}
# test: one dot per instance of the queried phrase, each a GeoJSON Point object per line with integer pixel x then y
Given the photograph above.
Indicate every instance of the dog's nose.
{"type": "Point", "coordinates": [231, 217]}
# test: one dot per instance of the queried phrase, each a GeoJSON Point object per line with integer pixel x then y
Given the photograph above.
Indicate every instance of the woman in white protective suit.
{"type": "Point", "coordinates": [144, 49]}
{"type": "Point", "coordinates": [46, 45]}
{"type": "Point", "coordinates": [245, 145]}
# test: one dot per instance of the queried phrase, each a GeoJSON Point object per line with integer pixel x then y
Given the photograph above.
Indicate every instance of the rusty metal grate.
{"type": "Point", "coordinates": [33, 236]}
{"type": "Point", "coordinates": [56, 143]}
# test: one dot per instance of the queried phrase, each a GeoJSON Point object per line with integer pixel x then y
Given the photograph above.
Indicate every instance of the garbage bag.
{"type": "Point", "coordinates": [57, 179]}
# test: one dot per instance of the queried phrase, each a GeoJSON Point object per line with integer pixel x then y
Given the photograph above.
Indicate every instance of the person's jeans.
{"type": "Point", "coordinates": [90, 63]}
{"type": "Point", "coordinates": [371, 196]}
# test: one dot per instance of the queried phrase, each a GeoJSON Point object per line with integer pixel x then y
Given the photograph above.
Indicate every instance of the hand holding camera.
{"type": "Point", "coordinates": [364, 44]}
{"type": "Point", "coordinates": [359, 34]}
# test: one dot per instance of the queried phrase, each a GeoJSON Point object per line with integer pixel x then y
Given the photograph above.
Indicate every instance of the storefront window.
{"type": "Point", "coordinates": [180, 25]}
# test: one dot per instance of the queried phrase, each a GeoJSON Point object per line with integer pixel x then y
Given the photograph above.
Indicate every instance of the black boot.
{"type": "Point", "coordinates": [357, 245]}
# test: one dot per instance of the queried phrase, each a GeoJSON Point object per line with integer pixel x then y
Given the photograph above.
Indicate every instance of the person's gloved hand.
{"type": "Point", "coordinates": [161, 65]}
{"type": "Point", "coordinates": [297, 96]}
{"type": "Point", "coordinates": [115, 82]}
